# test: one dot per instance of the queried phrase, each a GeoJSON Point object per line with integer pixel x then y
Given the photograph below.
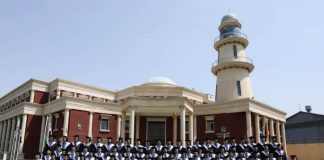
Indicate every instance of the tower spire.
{"type": "Point", "coordinates": [232, 67]}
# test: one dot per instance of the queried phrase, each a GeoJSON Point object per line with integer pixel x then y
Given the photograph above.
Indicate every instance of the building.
{"type": "Point", "coordinates": [156, 109]}
{"type": "Point", "coordinates": [305, 134]}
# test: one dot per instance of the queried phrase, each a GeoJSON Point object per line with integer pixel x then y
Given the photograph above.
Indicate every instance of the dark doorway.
{"type": "Point", "coordinates": [155, 131]}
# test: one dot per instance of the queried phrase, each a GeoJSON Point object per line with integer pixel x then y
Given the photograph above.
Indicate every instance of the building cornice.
{"type": "Point", "coordinates": [62, 84]}
{"type": "Point", "coordinates": [32, 84]}
{"type": "Point", "coordinates": [23, 108]}
{"type": "Point", "coordinates": [82, 104]}
{"type": "Point", "coordinates": [240, 105]}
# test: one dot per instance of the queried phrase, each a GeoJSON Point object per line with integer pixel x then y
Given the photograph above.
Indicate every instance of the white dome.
{"type": "Point", "coordinates": [229, 16]}
{"type": "Point", "coordinates": [160, 80]}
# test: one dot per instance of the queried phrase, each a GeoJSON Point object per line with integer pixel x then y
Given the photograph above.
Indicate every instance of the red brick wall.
{"type": "Point", "coordinates": [78, 117]}
{"type": "Point", "coordinates": [41, 97]}
{"type": "Point", "coordinates": [96, 127]}
{"type": "Point", "coordinates": [32, 136]}
{"type": "Point", "coordinates": [58, 132]}
{"type": "Point", "coordinates": [235, 123]}
{"type": "Point", "coordinates": [201, 128]}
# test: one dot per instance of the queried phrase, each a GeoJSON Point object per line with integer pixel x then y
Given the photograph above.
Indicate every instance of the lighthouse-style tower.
{"type": "Point", "coordinates": [232, 68]}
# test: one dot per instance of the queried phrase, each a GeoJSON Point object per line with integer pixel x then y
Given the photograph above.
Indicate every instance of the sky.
{"type": "Point", "coordinates": [116, 44]}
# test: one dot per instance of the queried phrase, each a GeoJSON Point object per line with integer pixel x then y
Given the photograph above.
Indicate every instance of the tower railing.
{"type": "Point", "coordinates": [233, 59]}
{"type": "Point", "coordinates": [230, 35]}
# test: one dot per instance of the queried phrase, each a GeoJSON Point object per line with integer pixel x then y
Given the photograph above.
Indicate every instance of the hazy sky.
{"type": "Point", "coordinates": [118, 44]}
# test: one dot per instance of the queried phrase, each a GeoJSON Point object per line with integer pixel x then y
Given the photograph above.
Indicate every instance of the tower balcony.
{"type": "Point", "coordinates": [231, 37]}
{"type": "Point", "coordinates": [231, 62]}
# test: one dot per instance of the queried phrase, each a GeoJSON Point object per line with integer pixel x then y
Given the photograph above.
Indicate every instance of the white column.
{"type": "Point", "coordinates": [90, 124]}
{"type": "Point", "coordinates": [248, 124]}
{"type": "Point", "coordinates": [118, 125]}
{"type": "Point", "coordinates": [32, 95]}
{"type": "Point", "coordinates": [257, 127]}
{"type": "Point", "coordinates": [271, 127]}
{"type": "Point", "coordinates": [123, 122]}
{"type": "Point", "coordinates": [23, 131]}
{"type": "Point", "coordinates": [138, 118]}
{"type": "Point", "coordinates": [132, 124]}
{"type": "Point", "coordinates": [3, 135]}
{"type": "Point", "coordinates": [283, 131]}
{"type": "Point", "coordinates": [175, 121]}
{"type": "Point", "coordinates": [13, 125]}
{"type": "Point", "coordinates": [278, 131]}
{"type": "Point", "coordinates": [183, 125]}
{"type": "Point", "coordinates": [50, 119]}
{"type": "Point", "coordinates": [1, 130]}
{"type": "Point", "coordinates": [191, 130]}
{"type": "Point", "coordinates": [7, 135]}
{"type": "Point", "coordinates": [66, 122]}
{"type": "Point", "coordinates": [58, 94]}
{"type": "Point", "coordinates": [195, 128]}
{"type": "Point", "coordinates": [42, 133]}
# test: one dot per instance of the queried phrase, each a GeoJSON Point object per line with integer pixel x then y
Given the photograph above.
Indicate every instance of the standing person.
{"type": "Point", "coordinates": [50, 144]}
{"type": "Point", "coordinates": [88, 144]}
{"type": "Point", "coordinates": [196, 145]}
{"type": "Point", "coordinates": [233, 142]}
{"type": "Point", "coordinates": [109, 145]}
{"type": "Point", "coordinates": [98, 144]}
{"type": "Point", "coordinates": [169, 146]}
{"type": "Point", "coordinates": [159, 146]}
{"type": "Point", "coordinates": [240, 147]}
{"type": "Point", "coordinates": [226, 145]}
{"type": "Point", "coordinates": [216, 144]}
{"type": "Point", "coordinates": [262, 143]}
{"type": "Point", "coordinates": [65, 145]}
{"type": "Point", "coordinates": [137, 146]}
{"type": "Point", "coordinates": [251, 143]}
{"type": "Point", "coordinates": [120, 144]}
{"type": "Point", "coordinates": [76, 143]}
{"type": "Point", "coordinates": [147, 147]}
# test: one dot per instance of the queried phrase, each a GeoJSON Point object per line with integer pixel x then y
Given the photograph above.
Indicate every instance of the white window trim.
{"type": "Point", "coordinates": [107, 117]}
{"type": "Point", "coordinates": [209, 118]}
{"type": "Point", "coordinates": [104, 130]}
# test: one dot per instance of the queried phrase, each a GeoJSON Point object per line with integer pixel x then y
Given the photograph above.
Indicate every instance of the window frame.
{"type": "Point", "coordinates": [235, 51]}
{"type": "Point", "coordinates": [239, 88]}
{"type": "Point", "coordinates": [208, 119]}
{"type": "Point", "coordinates": [107, 118]}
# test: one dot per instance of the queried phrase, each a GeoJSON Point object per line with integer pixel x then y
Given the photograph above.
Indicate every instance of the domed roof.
{"type": "Point", "coordinates": [229, 16]}
{"type": "Point", "coordinates": [160, 80]}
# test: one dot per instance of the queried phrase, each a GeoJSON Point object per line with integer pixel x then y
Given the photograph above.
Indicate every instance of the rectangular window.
{"type": "Point", "coordinates": [209, 122]}
{"type": "Point", "coordinates": [126, 126]}
{"type": "Point", "coordinates": [216, 93]}
{"type": "Point", "coordinates": [210, 125]}
{"type": "Point", "coordinates": [235, 51]}
{"type": "Point", "coordinates": [238, 85]}
{"type": "Point", "coordinates": [104, 124]}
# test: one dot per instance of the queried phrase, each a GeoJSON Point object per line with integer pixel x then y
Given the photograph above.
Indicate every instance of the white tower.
{"type": "Point", "coordinates": [232, 67]}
